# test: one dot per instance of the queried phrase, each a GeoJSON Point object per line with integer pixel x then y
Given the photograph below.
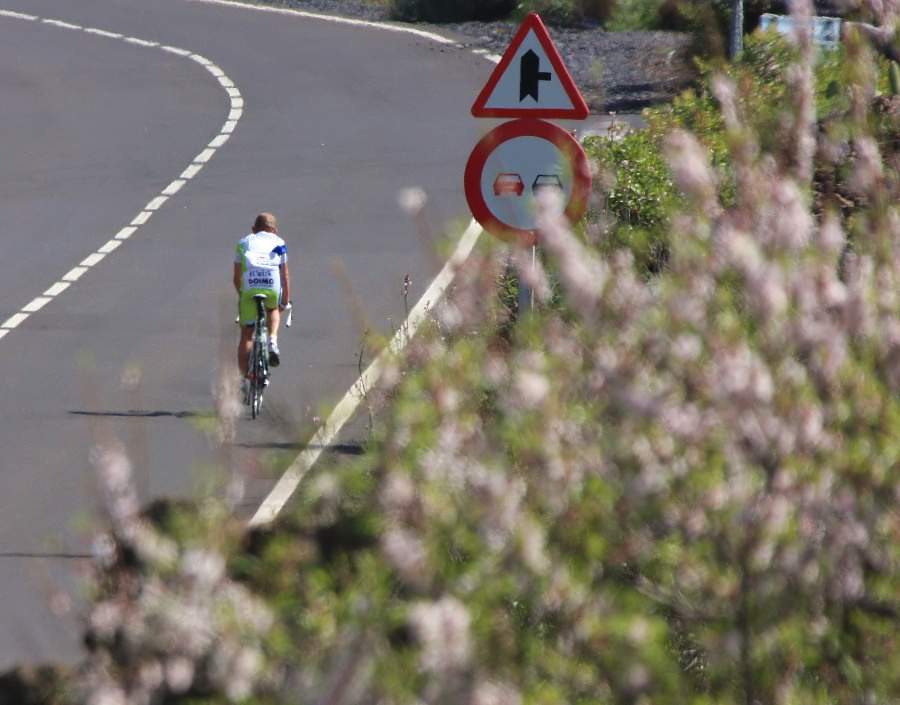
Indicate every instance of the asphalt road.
{"type": "Point", "coordinates": [332, 121]}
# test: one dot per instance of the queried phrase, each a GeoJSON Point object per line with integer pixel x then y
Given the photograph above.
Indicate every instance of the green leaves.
{"type": "Point", "coordinates": [673, 481]}
{"type": "Point", "coordinates": [450, 10]}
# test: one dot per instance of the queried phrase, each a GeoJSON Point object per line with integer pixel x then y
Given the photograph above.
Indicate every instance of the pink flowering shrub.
{"type": "Point", "coordinates": [165, 622]}
{"type": "Point", "coordinates": [681, 490]}
{"type": "Point", "coordinates": [676, 489]}
{"type": "Point", "coordinates": [637, 189]}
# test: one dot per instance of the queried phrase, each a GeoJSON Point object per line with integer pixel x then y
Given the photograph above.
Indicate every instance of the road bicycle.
{"type": "Point", "coordinates": [258, 367]}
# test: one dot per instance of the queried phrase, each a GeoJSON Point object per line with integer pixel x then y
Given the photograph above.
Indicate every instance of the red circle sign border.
{"type": "Point", "coordinates": [526, 127]}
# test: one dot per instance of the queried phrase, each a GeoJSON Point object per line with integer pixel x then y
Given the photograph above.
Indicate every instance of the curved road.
{"type": "Point", "coordinates": [112, 266]}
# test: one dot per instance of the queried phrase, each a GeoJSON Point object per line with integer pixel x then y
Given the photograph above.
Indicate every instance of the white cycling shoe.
{"type": "Point", "coordinates": [274, 354]}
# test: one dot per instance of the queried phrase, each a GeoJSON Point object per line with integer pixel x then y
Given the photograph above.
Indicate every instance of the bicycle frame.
{"type": "Point", "coordinates": [258, 370]}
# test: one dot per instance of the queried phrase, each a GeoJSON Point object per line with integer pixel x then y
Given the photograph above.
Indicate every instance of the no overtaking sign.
{"type": "Point", "coordinates": [512, 164]}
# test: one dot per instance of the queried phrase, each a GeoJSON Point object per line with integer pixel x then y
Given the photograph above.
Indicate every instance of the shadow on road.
{"type": "Point", "coordinates": [146, 414]}
{"type": "Point", "coordinates": [337, 449]}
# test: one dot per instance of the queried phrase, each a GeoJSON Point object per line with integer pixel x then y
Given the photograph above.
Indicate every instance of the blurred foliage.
{"type": "Point", "coordinates": [638, 192]}
{"type": "Point", "coordinates": [707, 20]}
{"type": "Point", "coordinates": [637, 189]}
{"type": "Point", "coordinates": [568, 11]}
{"type": "Point", "coordinates": [35, 685]}
{"type": "Point", "coordinates": [675, 491]}
{"type": "Point", "coordinates": [451, 10]}
{"type": "Point", "coordinates": [633, 15]}
{"type": "Point", "coordinates": [551, 11]}
{"type": "Point", "coordinates": [671, 489]}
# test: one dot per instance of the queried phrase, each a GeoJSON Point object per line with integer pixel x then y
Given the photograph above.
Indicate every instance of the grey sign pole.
{"type": "Point", "coordinates": [526, 295]}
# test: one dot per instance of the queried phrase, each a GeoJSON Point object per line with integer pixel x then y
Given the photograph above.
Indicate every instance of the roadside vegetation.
{"type": "Point", "coordinates": [638, 189]}
{"type": "Point", "coordinates": [619, 15]}
{"type": "Point", "coordinates": [707, 19]}
{"type": "Point", "coordinates": [674, 481]}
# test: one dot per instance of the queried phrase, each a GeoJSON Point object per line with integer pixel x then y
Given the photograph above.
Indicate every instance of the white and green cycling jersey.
{"type": "Point", "coordinates": [260, 256]}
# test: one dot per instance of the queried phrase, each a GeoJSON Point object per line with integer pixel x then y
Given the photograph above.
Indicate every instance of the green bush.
{"type": "Point", "coordinates": [673, 491]}
{"type": "Point", "coordinates": [551, 11]}
{"type": "Point", "coordinates": [631, 15]}
{"type": "Point", "coordinates": [451, 10]}
{"type": "Point", "coordinates": [707, 20]}
{"type": "Point", "coordinates": [638, 193]}
{"type": "Point", "coordinates": [638, 190]}
{"type": "Point", "coordinates": [568, 11]}
{"type": "Point", "coordinates": [681, 491]}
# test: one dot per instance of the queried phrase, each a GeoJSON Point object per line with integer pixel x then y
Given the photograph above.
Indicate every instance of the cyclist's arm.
{"type": "Point", "coordinates": [238, 277]}
{"type": "Point", "coordinates": [285, 284]}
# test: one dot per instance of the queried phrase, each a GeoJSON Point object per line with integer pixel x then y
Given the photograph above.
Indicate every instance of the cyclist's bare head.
{"type": "Point", "coordinates": [265, 221]}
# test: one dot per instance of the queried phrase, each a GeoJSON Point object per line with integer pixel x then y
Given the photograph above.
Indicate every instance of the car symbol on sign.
{"type": "Point", "coordinates": [507, 182]}
{"type": "Point", "coordinates": [546, 181]}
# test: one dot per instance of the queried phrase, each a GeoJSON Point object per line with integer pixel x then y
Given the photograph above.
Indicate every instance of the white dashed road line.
{"type": "Point", "coordinates": [346, 408]}
{"type": "Point", "coordinates": [234, 115]}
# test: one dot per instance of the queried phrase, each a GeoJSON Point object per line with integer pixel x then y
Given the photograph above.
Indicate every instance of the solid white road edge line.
{"type": "Point", "coordinates": [333, 18]}
{"type": "Point", "coordinates": [346, 407]}
{"type": "Point", "coordinates": [285, 487]}
{"type": "Point", "coordinates": [235, 113]}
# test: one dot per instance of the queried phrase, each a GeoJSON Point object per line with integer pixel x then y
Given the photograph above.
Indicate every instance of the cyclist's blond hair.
{"type": "Point", "coordinates": [265, 221]}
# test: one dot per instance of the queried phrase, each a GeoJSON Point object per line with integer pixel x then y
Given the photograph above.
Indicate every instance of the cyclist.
{"type": "Point", "coordinates": [261, 267]}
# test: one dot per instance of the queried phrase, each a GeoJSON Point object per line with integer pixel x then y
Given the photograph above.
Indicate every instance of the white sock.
{"type": "Point", "coordinates": [274, 339]}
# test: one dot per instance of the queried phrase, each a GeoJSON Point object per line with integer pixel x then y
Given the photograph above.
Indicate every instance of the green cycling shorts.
{"type": "Point", "coordinates": [247, 304]}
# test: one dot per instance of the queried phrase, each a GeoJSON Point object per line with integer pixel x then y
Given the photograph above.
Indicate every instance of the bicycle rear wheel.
{"type": "Point", "coordinates": [259, 358]}
{"type": "Point", "coordinates": [257, 380]}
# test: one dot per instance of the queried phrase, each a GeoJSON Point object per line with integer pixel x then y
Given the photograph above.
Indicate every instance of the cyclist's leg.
{"type": "Point", "coordinates": [244, 346]}
{"type": "Point", "coordinates": [247, 317]}
{"type": "Point", "coordinates": [273, 321]}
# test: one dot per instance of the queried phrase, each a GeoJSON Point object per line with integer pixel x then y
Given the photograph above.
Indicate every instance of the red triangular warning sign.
{"type": "Point", "coordinates": [531, 80]}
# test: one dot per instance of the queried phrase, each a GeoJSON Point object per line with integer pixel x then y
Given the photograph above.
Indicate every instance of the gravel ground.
{"type": "Point", "coordinates": [615, 71]}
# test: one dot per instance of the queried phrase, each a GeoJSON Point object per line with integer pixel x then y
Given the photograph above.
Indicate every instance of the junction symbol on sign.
{"type": "Point", "coordinates": [531, 80]}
